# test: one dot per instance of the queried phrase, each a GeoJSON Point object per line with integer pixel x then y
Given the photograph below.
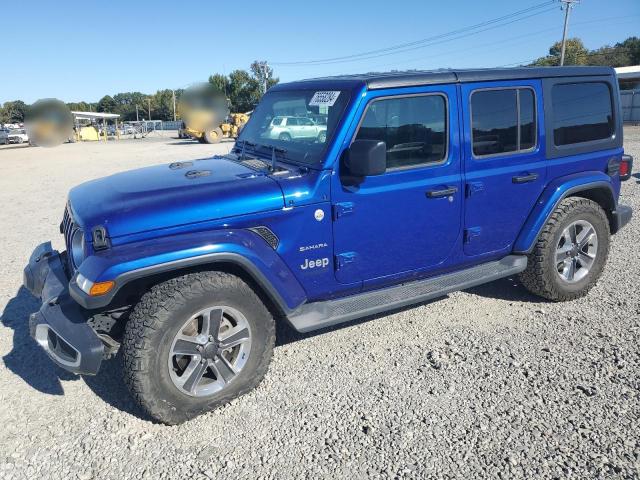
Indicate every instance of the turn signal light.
{"type": "Point", "coordinates": [101, 288]}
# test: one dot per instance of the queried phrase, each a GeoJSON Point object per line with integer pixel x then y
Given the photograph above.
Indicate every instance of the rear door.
{"type": "Point", "coordinates": [505, 167]}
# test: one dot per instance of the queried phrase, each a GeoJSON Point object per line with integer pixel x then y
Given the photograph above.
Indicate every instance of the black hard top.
{"type": "Point", "coordinates": [414, 78]}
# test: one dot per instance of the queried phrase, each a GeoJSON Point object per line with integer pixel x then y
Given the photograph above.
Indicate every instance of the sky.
{"type": "Point", "coordinates": [81, 50]}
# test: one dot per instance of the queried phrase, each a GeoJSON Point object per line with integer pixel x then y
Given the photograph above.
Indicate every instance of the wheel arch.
{"type": "Point", "coordinates": [240, 252]}
{"type": "Point", "coordinates": [595, 186]}
{"type": "Point", "coordinates": [134, 286]}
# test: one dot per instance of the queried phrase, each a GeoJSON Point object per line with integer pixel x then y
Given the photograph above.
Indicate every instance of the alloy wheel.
{"type": "Point", "coordinates": [209, 351]}
{"type": "Point", "coordinates": [576, 251]}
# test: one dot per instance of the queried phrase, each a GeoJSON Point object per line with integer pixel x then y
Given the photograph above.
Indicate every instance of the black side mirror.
{"type": "Point", "coordinates": [366, 158]}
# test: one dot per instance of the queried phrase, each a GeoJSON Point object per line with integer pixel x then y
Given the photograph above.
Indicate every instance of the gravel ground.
{"type": "Point", "coordinates": [487, 382]}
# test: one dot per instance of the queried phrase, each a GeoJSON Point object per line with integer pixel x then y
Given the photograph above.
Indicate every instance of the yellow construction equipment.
{"type": "Point", "coordinates": [204, 127]}
{"type": "Point", "coordinates": [206, 115]}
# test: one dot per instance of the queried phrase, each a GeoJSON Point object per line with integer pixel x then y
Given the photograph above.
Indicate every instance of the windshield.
{"type": "Point", "coordinates": [299, 122]}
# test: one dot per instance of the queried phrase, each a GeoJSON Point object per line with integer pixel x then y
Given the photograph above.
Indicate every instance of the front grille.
{"type": "Point", "coordinates": [68, 227]}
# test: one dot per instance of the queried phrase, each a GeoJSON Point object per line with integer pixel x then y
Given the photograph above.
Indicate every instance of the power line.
{"type": "Point", "coordinates": [509, 40]}
{"type": "Point", "coordinates": [400, 48]}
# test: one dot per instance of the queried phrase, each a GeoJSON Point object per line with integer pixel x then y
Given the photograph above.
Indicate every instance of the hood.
{"type": "Point", "coordinates": [173, 194]}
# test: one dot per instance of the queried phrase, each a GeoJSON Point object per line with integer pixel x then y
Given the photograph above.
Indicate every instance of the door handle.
{"type": "Point", "coordinates": [526, 178]}
{"type": "Point", "coordinates": [445, 192]}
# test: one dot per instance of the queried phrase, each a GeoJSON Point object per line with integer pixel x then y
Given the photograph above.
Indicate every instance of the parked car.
{"type": "Point", "coordinates": [18, 136]}
{"type": "Point", "coordinates": [427, 183]}
{"type": "Point", "coordinates": [4, 136]}
{"type": "Point", "coordinates": [295, 128]}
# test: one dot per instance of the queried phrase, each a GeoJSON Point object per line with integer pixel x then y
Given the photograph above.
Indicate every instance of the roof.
{"type": "Point", "coordinates": [94, 115]}
{"type": "Point", "coordinates": [632, 71]}
{"type": "Point", "coordinates": [414, 78]}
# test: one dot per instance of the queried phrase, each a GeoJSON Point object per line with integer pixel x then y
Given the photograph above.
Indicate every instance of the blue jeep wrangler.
{"type": "Point", "coordinates": [377, 192]}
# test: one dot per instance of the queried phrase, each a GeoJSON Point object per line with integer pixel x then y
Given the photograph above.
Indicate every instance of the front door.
{"type": "Point", "coordinates": [407, 220]}
{"type": "Point", "coordinates": [505, 165]}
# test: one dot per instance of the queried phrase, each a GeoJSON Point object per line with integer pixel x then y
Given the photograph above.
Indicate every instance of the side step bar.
{"type": "Point", "coordinates": [313, 316]}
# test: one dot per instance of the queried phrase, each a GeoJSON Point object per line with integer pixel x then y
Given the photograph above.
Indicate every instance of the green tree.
{"type": "Point", "coordinates": [220, 82]}
{"type": "Point", "coordinates": [81, 107]}
{"type": "Point", "coordinates": [13, 112]}
{"type": "Point", "coordinates": [162, 105]}
{"type": "Point", "coordinates": [632, 46]}
{"type": "Point", "coordinates": [106, 104]}
{"type": "Point", "coordinates": [575, 54]}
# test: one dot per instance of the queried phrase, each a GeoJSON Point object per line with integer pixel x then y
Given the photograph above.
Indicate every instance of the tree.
{"type": "Point", "coordinates": [13, 112]}
{"type": "Point", "coordinates": [575, 54]}
{"type": "Point", "coordinates": [220, 82]}
{"type": "Point", "coordinates": [162, 105]}
{"type": "Point", "coordinates": [106, 104]}
{"type": "Point", "coordinates": [632, 46]}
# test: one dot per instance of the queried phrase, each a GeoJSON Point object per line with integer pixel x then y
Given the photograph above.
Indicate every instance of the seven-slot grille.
{"type": "Point", "coordinates": [67, 229]}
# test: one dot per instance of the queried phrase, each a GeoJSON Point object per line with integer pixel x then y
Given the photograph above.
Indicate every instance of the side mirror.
{"type": "Point", "coordinates": [366, 158]}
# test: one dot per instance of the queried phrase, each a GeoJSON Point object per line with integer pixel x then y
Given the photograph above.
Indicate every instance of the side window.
{"type": "Point", "coordinates": [582, 112]}
{"type": "Point", "coordinates": [503, 121]}
{"type": "Point", "coordinates": [291, 122]}
{"type": "Point", "coordinates": [414, 129]}
{"type": "Point", "coordinates": [305, 121]}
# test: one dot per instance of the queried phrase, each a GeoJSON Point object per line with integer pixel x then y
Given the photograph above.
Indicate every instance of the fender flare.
{"type": "Point", "coordinates": [553, 194]}
{"type": "Point", "coordinates": [242, 248]}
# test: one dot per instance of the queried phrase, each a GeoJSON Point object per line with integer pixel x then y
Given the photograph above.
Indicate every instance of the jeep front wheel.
{"type": "Point", "coordinates": [570, 253]}
{"type": "Point", "coordinates": [194, 343]}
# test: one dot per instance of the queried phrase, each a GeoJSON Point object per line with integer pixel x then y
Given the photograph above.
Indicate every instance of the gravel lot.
{"type": "Point", "coordinates": [487, 382]}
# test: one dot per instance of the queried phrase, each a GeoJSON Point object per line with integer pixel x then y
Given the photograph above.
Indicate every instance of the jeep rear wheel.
{"type": "Point", "coordinates": [570, 253]}
{"type": "Point", "coordinates": [194, 343]}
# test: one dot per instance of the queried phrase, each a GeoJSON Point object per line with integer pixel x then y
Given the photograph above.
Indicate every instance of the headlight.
{"type": "Point", "coordinates": [77, 247]}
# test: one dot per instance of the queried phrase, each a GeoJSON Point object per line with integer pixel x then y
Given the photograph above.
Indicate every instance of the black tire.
{"type": "Point", "coordinates": [156, 319]}
{"type": "Point", "coordinates": [201, 139]}
{"type": "Point", "coordinates": [285, 137]}
{"type": "Point", "coordinates": [541, 276]}
{"type": "Point", "coordinates": [213, 136]}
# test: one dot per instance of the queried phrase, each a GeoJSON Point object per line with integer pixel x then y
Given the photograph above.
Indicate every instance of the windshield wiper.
{"type": "Point", "coordinates": [245, 143]}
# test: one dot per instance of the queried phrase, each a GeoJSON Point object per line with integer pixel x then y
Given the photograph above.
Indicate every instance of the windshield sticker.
{"type": "Point", "coordinates": [326, 99]}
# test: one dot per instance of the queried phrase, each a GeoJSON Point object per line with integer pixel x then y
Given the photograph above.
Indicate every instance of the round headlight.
{"type": "Point", "coordinates": [77, 247]}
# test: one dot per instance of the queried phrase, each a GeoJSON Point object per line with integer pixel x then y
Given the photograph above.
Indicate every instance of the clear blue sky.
{"type": "Point", "coordinates": [82, 50]}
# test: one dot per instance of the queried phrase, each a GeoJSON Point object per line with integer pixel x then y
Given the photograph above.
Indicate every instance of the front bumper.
{"type": "Point", "coordinates": [621, 217]}
{"type": "Point", "coordinates": [60, 326]}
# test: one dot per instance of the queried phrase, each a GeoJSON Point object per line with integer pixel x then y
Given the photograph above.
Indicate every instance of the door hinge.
{"type": "Point", "coordinates": [342, 260]}
{"type": "Point", "coordinates": [342, 209]}
{"type": "Point", "coordinates": [474, 187]}
{"type": "Point", "coordinates": [471, 233]}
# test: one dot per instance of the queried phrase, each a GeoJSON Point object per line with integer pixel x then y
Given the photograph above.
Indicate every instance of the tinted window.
{"type": "Point", "coordinates": [292, 121]}
{"type": "Point", "coordinates": [497, 125]}
{"type": "Point", "coordinates": [414, 129]}
{"type": "Point", "coordinates": [527, 119]}
{"type": "Point", "coordinates": [305, 121]}
{"type": "Point", "coordinates": [582, 112]}
{"type": "Point", "coordinates": [276, 121]}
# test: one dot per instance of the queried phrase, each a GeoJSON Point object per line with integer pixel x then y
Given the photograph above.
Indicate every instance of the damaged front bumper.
{"type": "Point", "coordinates": [60, 326]}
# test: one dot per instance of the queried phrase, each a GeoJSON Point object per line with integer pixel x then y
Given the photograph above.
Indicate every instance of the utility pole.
{"type": "Point", "coordinates": [174, 105]}
{"type": "Point", "coordinates": [149, 102]}
{"type": "Point", "coordinates": [137, 119]}
{"type": "Point", "coordinates": [568, 5]}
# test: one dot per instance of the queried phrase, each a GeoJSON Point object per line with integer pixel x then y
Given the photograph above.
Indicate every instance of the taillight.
{"type": "Point", "coordinates": [626, 165]}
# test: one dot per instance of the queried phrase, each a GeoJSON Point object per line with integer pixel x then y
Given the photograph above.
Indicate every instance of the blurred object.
{"type": "Point", "coordinates": [4, 136]}
{"type": "Point", "coordinates": [205, 111]}
{"type": "Point", "coordinates": [49, 123]}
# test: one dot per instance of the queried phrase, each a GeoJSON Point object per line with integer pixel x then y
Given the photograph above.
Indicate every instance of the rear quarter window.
{"type": "Point", "coordinates": [582, 112]}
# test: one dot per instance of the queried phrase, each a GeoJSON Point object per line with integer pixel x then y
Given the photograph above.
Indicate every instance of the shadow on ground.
{"type": "Point", "coordinates": [29, 362]}
{"type": "Point", "coordinates": [26, 358]}
{"type": "Point", "coordinates": [508, 289]}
